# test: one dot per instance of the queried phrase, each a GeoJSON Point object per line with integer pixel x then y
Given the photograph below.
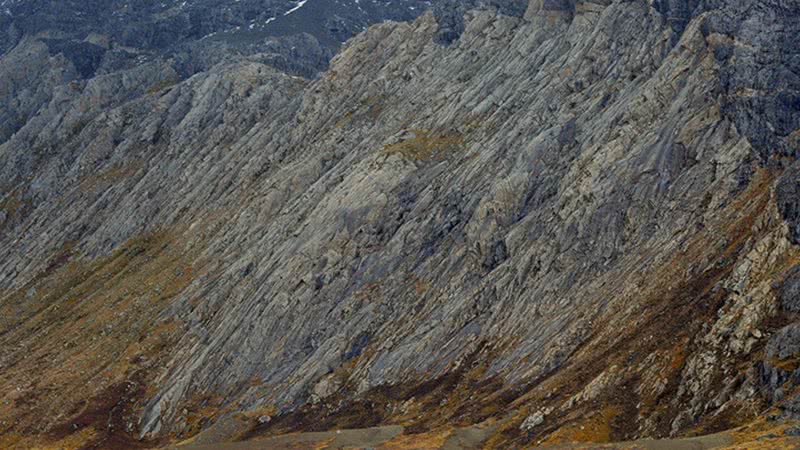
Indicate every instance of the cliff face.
{"type": "Point", "coordinates": [577, 223]}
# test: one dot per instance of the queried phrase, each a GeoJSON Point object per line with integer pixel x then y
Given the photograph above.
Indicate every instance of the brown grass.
{"type": "Point", "coordinates": [426, 145]}
{"type": "Point", "coordinates": [160, 86]}
{"type": "Point", "coordinates": [787, 365]}
{"type": "Point", "coordinates": [595, 428]}
{"type": "Point", "coordinates": [761, 434]}
{"type": "Point", "coordinates": [11, 204]}
{"type": "Point", "coordinates": [14, 207]}
{"type": "Point", "coordinates": [83, 340]}
{"type": "Point", "coordinates": [109, 177]}
{"type": "Point", "coordinates": [431, 440]}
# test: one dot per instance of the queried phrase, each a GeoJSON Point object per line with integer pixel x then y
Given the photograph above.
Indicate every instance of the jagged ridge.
{"type": "Point", "coordinates": [571, 212]}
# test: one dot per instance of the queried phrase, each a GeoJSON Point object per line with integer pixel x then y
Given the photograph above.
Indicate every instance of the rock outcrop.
{"type": "Point", "coordinates": [586, 208]}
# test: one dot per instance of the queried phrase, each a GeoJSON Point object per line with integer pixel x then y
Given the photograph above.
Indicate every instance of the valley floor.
{"type": "Point", "coordinates": [759, 435]}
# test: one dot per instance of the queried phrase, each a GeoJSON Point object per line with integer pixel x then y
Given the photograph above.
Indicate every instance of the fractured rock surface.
{"type": "Point", "coordinates": [585, 207]}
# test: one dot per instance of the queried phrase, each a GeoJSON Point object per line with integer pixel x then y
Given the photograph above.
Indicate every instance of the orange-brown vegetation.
{"type": "Point", "coordinates": [85, 340]}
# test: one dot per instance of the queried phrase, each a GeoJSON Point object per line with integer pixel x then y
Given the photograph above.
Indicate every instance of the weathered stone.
{"type": "Point", "coordinates": [532, 421]}
{"type": "Point", "coordinates": [529, 193]}
{"type": "Point", "coordinates": [788, 198]}
{"type": "Point", "coordinates": [791, 408]}
{"type": "Point", "coordinates": [785, 343]}
{"type": "Point", "coordinates": [790, 290]}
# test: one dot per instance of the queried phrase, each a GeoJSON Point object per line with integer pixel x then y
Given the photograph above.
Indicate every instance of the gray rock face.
{"type": "Point", "coordinates": [780, 375]}
{"type": "Point", "coordinates": [790, 291]}
{"type": "Point", "coordinates": [791, 408]}
{"type": "Point", "coordinates": [785, 343]}
{"type": "Point", "coordinates": [788, 198]}
{"type": "Point", "coordinates": [759, 54]}
{"type": "Point", "coordinates": [450, 14]}
{"type": "Point", "coordinates": [553, 202]}
{"type": "Point", "coordinates": [50, 43]}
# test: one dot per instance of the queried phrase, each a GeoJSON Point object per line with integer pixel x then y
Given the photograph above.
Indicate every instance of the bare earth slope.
{"type": "Point", "coordinates": [576, 226]}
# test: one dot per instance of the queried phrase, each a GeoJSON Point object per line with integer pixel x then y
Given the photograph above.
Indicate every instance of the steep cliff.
{"type": "Point", "coordinates": [573, 223]}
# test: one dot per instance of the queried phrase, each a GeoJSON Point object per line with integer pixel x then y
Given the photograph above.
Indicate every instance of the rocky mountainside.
{"type": "Point", "coordinates": [46, 44]}
{"type": "Point", "coordinates": [144, 24]}
{"type": "Point", "coordinates": [558, 221]}
{"type": "Point", "coordinates": [49, 43]}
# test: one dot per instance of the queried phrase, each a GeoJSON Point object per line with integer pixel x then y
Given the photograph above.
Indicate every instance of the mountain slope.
{"type": "Point", "coordinates": [45, 44]}
{"type": "Point", "coordinates": [580, 219]}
